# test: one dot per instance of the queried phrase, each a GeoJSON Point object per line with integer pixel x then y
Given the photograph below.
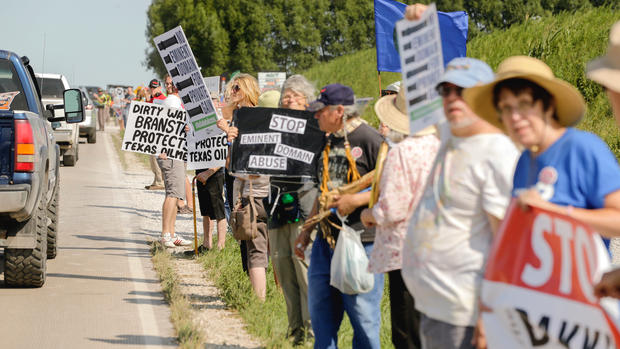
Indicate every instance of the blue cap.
{"type": "Point", "coordinates": [467, 72]}
{"type": "Point", "coordinates": [334, 94]}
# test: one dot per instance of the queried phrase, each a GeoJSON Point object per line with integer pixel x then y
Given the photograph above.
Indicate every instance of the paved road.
{"type": "Point", "coordinates": [101, 290]}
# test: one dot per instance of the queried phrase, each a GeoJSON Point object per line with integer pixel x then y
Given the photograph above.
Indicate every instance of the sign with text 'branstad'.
{"type": "Point", "coordinates": [281, 142]}
{"type": "Point", "coordinates": [154, 129]}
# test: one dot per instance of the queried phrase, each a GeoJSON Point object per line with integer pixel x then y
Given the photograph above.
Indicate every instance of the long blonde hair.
{"type": "Point", "coordinates": [248, 85]}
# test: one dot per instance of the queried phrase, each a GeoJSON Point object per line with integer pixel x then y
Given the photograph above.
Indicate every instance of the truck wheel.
{"type": "Point", "coordinates": [68, 159]}
{"type": "Point", "coordinates": [26, 267]}
{"type": "Point", "coordinates": [52, 228]}
{"type": "Point", "coordinates": [92, 137]}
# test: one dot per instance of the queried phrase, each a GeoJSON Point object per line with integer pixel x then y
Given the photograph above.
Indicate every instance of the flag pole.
{"type": "Point", "coordinates": [379, 76]}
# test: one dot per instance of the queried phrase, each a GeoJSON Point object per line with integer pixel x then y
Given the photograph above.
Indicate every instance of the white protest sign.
{"type": "Point", "coordinates": [154, 129]}
{"type": "Point", "coordinates": [289, 124]}
{"type": "Point", "coordinates": [271, 81]}
{"type": "Point", "coordinates": [213, 85]}
{"type": "Point", "coordinates": [209, 152]}
{"type": "Point", "coordinates": [182, 67]}
{"type": "Point", "coordinates": [421, 62]}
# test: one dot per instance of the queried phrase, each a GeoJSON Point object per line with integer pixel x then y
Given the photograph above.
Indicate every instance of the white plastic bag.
{"type": "Point", "coordinates": [349, 267]}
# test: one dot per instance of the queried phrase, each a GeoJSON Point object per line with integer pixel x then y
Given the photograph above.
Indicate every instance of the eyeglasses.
{"type": "Point", "coordinates": [523, 107]}
{"type": "Point", "coordinates": [388, 92]}
{"type": "Point", "coordinates": [236, 88]}
{"type": "Point", "coordinates": [444, 90]}
{"type": "Point", "coordinates": [293, 96]}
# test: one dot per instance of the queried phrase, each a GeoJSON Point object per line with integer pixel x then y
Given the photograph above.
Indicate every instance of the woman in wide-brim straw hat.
{"type": "Point", "coordinates": [403, 178]}
{"type": "Point", "coordinates": [562, 169]}
{"type": "Point", "coordinates": [606, 70]}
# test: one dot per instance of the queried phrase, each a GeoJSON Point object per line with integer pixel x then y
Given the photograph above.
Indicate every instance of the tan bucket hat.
{"type": "Point", "coordinates": [392, 111]}
{"type": "Point", "coordinates": [569, 104]}
{"type": "Point", "coordinates": [606, 69]}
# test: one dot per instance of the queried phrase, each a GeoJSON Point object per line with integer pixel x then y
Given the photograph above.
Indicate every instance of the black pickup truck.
{"type": "Point", "coordinates": [29, 171]}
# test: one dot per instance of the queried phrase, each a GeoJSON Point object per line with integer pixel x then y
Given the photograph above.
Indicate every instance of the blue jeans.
{"type": "Point", "coordinates": [327, 305]}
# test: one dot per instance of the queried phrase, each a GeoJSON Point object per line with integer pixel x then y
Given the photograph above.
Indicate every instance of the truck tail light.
{"type": "Point", "coordinates": [24, 146]}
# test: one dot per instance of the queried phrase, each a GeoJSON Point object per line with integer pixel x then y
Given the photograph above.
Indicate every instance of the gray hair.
{"type": "Point", "coordinates": [396, 136]}
{"type": "Point", "coordinates": [350, 111]}
{"type": "Point", "coordinates": [301, 85]}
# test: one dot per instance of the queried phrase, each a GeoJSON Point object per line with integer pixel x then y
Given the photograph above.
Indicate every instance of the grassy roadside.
{"type": "Point", "coordinates": [143, 159]}
{"type": "Point", "coordinates": [188, 332]}
{"type": "Point", "coordinates": [268, 320]}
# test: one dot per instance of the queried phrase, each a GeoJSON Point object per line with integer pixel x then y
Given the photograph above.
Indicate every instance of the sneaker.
{"type": "Point", "coordinates": [179, 241]}
{"type": "Point", "coordinates": [166, 240]}
{"type": "Point", "coordinates": [154, 187]}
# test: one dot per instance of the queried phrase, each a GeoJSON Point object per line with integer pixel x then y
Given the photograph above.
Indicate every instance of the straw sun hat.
{"type": "Point", "coordinates": [568, 102]}
{"type": "Point", "coordinates": [392, 111]}
{"type": "Point", "coordinates": [606, 69]}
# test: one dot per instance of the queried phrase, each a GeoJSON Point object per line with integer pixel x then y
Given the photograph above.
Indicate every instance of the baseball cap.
{"type": "Point", "coordinates": [467, 72]}
{"type": "Point", "coordinates": [333, 94]}
{"type": "Point", "coordinates": [154, 83]}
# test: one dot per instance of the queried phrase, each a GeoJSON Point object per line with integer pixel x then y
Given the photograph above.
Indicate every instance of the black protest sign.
{"type": "Point", "coordinates": [281, 142]}
{"type": "Point", "coordinates": [154, 129]}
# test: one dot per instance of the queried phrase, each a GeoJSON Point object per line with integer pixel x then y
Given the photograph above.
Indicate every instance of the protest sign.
{"type": "Point", "coordinates": [213, 85]}
{"type": "Point", "coordinates": [154, 129]}
{"type": "Point", "coordinates": [421, 63]}
{"type": "Point", "coordinates": [270, 81]}
{"type": "Point", "coordinates": [206, 152]}
{"type": "Point", "coordinates": [539, 284]}
{"type": "Point", "coordinates": [281, 142]}
{"type": "Point", "coordinates": [182, 67]}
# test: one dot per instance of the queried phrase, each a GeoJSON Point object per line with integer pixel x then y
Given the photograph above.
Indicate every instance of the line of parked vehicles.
{"type": "Point", "coordinates": [41, 120]}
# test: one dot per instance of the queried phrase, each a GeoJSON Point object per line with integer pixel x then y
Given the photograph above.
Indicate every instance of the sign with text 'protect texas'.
{"type": "Point", "coordinates": [539, 285]}
{"type": "Point", "coordinates": [281, 142]}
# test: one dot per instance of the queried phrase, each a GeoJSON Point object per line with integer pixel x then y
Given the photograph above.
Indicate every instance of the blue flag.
{"type": "Point", "coordinates": [452, 26]}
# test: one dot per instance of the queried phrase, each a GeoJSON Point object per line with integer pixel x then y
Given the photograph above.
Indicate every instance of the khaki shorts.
{"type": "Point", "coordinates": [257, 248]}
{"type": "Point", "coordinates": [173, 172]}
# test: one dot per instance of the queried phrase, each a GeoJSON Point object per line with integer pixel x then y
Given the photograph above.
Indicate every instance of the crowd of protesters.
{"type": "Point", "coordinates": [444, 192]}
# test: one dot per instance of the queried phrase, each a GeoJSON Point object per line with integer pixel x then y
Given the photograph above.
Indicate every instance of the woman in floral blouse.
{"type": "Point", "coordinates": [404, 175]}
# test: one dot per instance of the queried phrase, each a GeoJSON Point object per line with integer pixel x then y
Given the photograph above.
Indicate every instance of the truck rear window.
{"type": "Point", "coordinates": [10, 82]}
{"type": "Point", "coordinates": [51, 88]}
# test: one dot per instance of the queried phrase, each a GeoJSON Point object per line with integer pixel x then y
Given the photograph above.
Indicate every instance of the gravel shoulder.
{"type": "Point", "coordinates": [222, 327]}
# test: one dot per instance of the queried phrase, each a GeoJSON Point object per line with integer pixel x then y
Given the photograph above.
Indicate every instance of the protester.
{"type": "Point", "coordinates": [405, 171]}
{"type": "Point", "coordinates": [129, 96]}
{"type": "Point", "coordinates": [337, 115]}
{"type": "Point", "coordinates": [173, 172]}
{"type": "Point", "coordinates": [384, 130]}
{"type": "Point", "coordinates": [562, 170]}
{"type": "Point", "coordinates": [158, 96]}
{"type": "Point", "coordinates": [244, 92]}
{"type": "Point", "coordinates": [295, 197]}
{"type": "Point", "coordinates": [101, 100]}
{"type": "Point", "coordinates": [451, 231]}
{"type": "Point", "coordinates": [606, 70]}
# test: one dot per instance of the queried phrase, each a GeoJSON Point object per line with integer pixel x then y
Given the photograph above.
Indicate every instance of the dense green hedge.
{"type": "Point", "coordinates": [566, 42]}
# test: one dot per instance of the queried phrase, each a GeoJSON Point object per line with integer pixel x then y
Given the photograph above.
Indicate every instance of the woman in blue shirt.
{"type": "Point", "coordinates": [562, 169]}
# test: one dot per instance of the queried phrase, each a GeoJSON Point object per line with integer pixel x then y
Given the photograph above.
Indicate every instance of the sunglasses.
{"type": "Point", "coordinates": [444, 91]}
{"type": "Point", "coordinates": [236, 88]}
{"type": "Point", "coordinates": [388, 92]}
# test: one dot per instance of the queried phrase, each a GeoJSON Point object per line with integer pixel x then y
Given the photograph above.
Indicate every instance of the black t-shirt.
{"type": "Point", "coordinates": [365, 142]}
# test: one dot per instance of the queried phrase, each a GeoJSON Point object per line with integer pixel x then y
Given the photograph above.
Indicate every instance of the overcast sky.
{"type": "Point", "coordinates": [90, 42]}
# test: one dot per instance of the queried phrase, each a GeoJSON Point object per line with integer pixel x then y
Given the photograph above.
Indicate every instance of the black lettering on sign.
{"type": "Point", "coordinates": [186, 67]}
{"type": "Point", "coordinates": [417, 100]}
{"type": "Point", "coordinates": [414, 29]}
{"type": "Point", "coordinates": [417, 70]}
{"type": "Point", "coordinates": [180, 53]}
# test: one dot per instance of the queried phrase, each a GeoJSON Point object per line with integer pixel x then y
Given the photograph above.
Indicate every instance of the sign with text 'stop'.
{"type": "Point", "coordinates": [281, 142]}
{"type": "Point", "coordinates": [421, 62]}
{"type": "Point", "coordinates": [182, 67]}
{"type": "Point", "coordinates": [539, 281]}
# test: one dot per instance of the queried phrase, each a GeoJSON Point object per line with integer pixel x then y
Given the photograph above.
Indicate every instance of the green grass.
{"type": "Point", "coordinates": [189, 335]}
{"type": "Point", "coordinates": [566, 42]}
{"type": "Point", "coordinates": [268, 320]}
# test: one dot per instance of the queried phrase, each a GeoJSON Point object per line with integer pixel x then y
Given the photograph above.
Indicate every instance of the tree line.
{"type": "Point", "coordinates": [293, 35]}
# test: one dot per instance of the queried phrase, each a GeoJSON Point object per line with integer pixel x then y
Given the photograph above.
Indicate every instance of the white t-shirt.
{"type": "Point", "coordinates": [449, 235]}
{"type": "Point", "coordinates": [172, 101]}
